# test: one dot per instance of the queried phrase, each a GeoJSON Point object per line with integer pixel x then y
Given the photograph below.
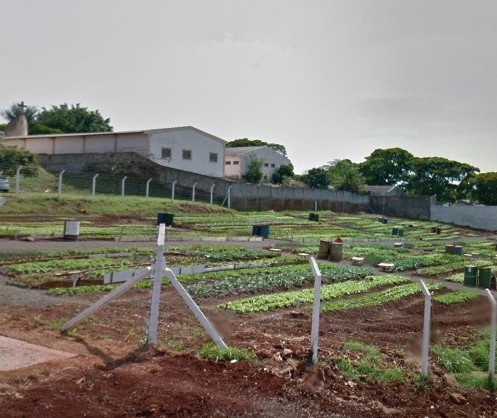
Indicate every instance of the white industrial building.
{"type": "Point", "coordinates": [184, 148]}
{"type": "Point", "coordinates": [237, 160]}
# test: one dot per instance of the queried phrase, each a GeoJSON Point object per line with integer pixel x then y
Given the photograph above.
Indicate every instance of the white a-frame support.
{"type": "Point", "coordinates": [158, 271]}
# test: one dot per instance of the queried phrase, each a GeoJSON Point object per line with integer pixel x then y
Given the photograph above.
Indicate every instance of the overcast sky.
{"type": "Point", "coordinates": [328, 79]}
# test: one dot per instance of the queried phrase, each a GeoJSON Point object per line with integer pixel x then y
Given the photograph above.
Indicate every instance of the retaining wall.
{"type": "Point", "coordinates": [481, 217]}
{"type": "Point", "coordinates": [414, 207]}
{"type": "Point", "coordinates": [244, 196]}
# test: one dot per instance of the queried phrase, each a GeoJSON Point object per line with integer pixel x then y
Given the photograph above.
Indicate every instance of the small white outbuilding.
{"type": "Point", "coordinates": [237, 160]}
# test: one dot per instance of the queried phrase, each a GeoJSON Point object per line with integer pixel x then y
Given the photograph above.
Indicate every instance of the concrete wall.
{"type": "Point", "coordinates": [244, 196]}
{"type": "Point", "coordinates": [74, 144]}
{"type": "Point", "coordinates": [200, 145]}
{"type": "Point", "coordinates": [481, 217]}
{"type": "Point", "coordinates": [415, 207]}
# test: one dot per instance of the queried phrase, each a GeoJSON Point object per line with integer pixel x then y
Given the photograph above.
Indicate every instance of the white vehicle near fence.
{"type": "Point", "coordinates": [4, 184]}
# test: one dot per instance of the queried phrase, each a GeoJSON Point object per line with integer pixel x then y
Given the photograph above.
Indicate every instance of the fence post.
{"type": "Point", "coordinates": [193, 191]}
{"type": "Point", "coordinates": [94, 186]}
{"type": "Point", "coordinates": [173, 189]}
{"type": "Point", "coordinates": [316, 310]}
{"type": "Point", "coordinates": [18, 177]}
{"type": "Point", "coordinates": [212, 193]}
{"type": "Point", "coordinates": [60, 183]}
{"type": "Point", "coordinates": [157, 275]}
{"type": "Point", "coordinates": [147, 188]}
{"type": "Point", "coordinates": [491, 359]}
{"type": "Point", "coordinates": [123, 182]}
{"type": "Point", "coordinates": [426, 331]}
{"type": "Point", "coordinates": [229, 196]}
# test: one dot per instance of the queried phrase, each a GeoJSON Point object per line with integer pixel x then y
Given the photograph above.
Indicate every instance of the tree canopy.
{"type": "Point", "coordinates": [245, 142]}
{"type": "Point", "coordinates": [74, 119]}
{"type": "Point", "coordinates": [482, 188]}
{"type": "Point", "coordinates": [59, 119]}
{"type": "Point", "coordinates": [344, 175]}
{"type": "Point", "coordinates": [282, 172]}
{"type": "Point", "coordinates": [440, 176]}
{"type": "Point", "coordinates": [13, 157]}
{"type": "Point", "coordinates": [387, 166]}
{"type": "Point", "coordinates": [316, 178]}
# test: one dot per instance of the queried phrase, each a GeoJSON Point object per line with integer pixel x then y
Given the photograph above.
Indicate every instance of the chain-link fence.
{"type": "Point", "coordinates": [13, 180]}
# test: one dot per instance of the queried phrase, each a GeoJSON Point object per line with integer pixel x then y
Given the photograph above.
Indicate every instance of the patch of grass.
{"type": "Point", "coordinates": [175, 345]}
{"type": "Point", "coordinates": [469, 365]}
{"type": "Point", "coordinates": [475, 380]}
{"type": "Point", "coordinates": [370, 351]}
{"type": "Point", "coordinates": [454, 360]}
{"type": "Point", "coordinates": [369, 367]}
{"type": "Point", "coordinates": [213, 352]}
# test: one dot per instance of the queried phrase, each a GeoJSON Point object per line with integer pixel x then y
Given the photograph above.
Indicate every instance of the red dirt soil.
{"type": "Point", "coordinates": [112, 376]}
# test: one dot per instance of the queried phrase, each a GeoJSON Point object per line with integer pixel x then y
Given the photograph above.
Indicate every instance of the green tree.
{"type": "Point", "coordinates": [440, 176]}
{"type": "Point", "coordinates": [482, 188]}
{"type": "Point", "coordinates": [387, 166]}
{"type": "Point", "coordinates": [282, 172]}
{"type": "Point", "coordinates": [254, 170]}
{"type": "Point", "coordinates": [317, 178]}
{"type": "Point", "coordinates": [245, 142]}
{"type": "Point", "coordinates": [13, 157]}
{"type": "Point", "coordinates": [73, 119]}
{"type": "Point", "coordinates": [344, 175]}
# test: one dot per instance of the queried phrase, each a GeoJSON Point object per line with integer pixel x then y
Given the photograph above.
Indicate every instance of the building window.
{"type": "Point", "coordinates": [213, 157]}
{"type": "Point", "coordinates": [228, 162]}
{"type": "Point", "coordinates": [236, 162]}
{"type": "Point", "coordinates": [166, 153]}
{"type": "Point", "coordinates": [273, 166]}
{"type": "Point", "coordinates": [187, 154]}
{"type": "Point", "coordinates": [266, 165]}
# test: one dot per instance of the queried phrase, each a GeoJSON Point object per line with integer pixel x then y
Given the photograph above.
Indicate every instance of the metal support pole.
{"type": "Point", "coordinates": [173, 189]}
{"type": "Point", "coordinates": [123, 185]}
{"type": "Point", "coordinates": [94, 186]}
{"type": "Point", "coordinates": [60, 183]}
{"type": "Point", "coordinates": [147, 188]}
{"type": "Point", "coordinates": [18, 178]}
{"type": "Point", "coordinates": [315, 206]}
{"type": "Point", "coordinates": [212, 193]}
{"type": "Point", "coordinates": [208, 327]}
{"type": "Point", "coordinates": [316, 310]}
{"type": "Point", "coordinates": [426, 331]}
{"type": "Point", "coordinates": [158, 274]}
{"type": "Point", "coordinates": [491, 358]}
{"type": "Point", "coordinates": [193, 191]}
{"type": "Point", "coordinates": [229, 196]}
{"type": "Point", "coordinates": [107, 298]}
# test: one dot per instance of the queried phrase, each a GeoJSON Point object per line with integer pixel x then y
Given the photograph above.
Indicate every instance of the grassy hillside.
{"type": "Point", "coordinates": [40, 205]}
{"type": "Point", "coordinates": [44, 182]}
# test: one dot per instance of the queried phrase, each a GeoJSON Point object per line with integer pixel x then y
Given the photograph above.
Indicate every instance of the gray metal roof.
{"type": "Point", "coordinates": [146, 131]}
{"type": "Point", "coordinates": [243, 150]}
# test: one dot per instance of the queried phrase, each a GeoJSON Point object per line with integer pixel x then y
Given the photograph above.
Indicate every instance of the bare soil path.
{"type": "Point", "coordinates": [16, 296]}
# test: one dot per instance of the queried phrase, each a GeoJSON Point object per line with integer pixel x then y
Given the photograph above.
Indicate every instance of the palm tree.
{"type": "Point", "coordinates": [17, 109]}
